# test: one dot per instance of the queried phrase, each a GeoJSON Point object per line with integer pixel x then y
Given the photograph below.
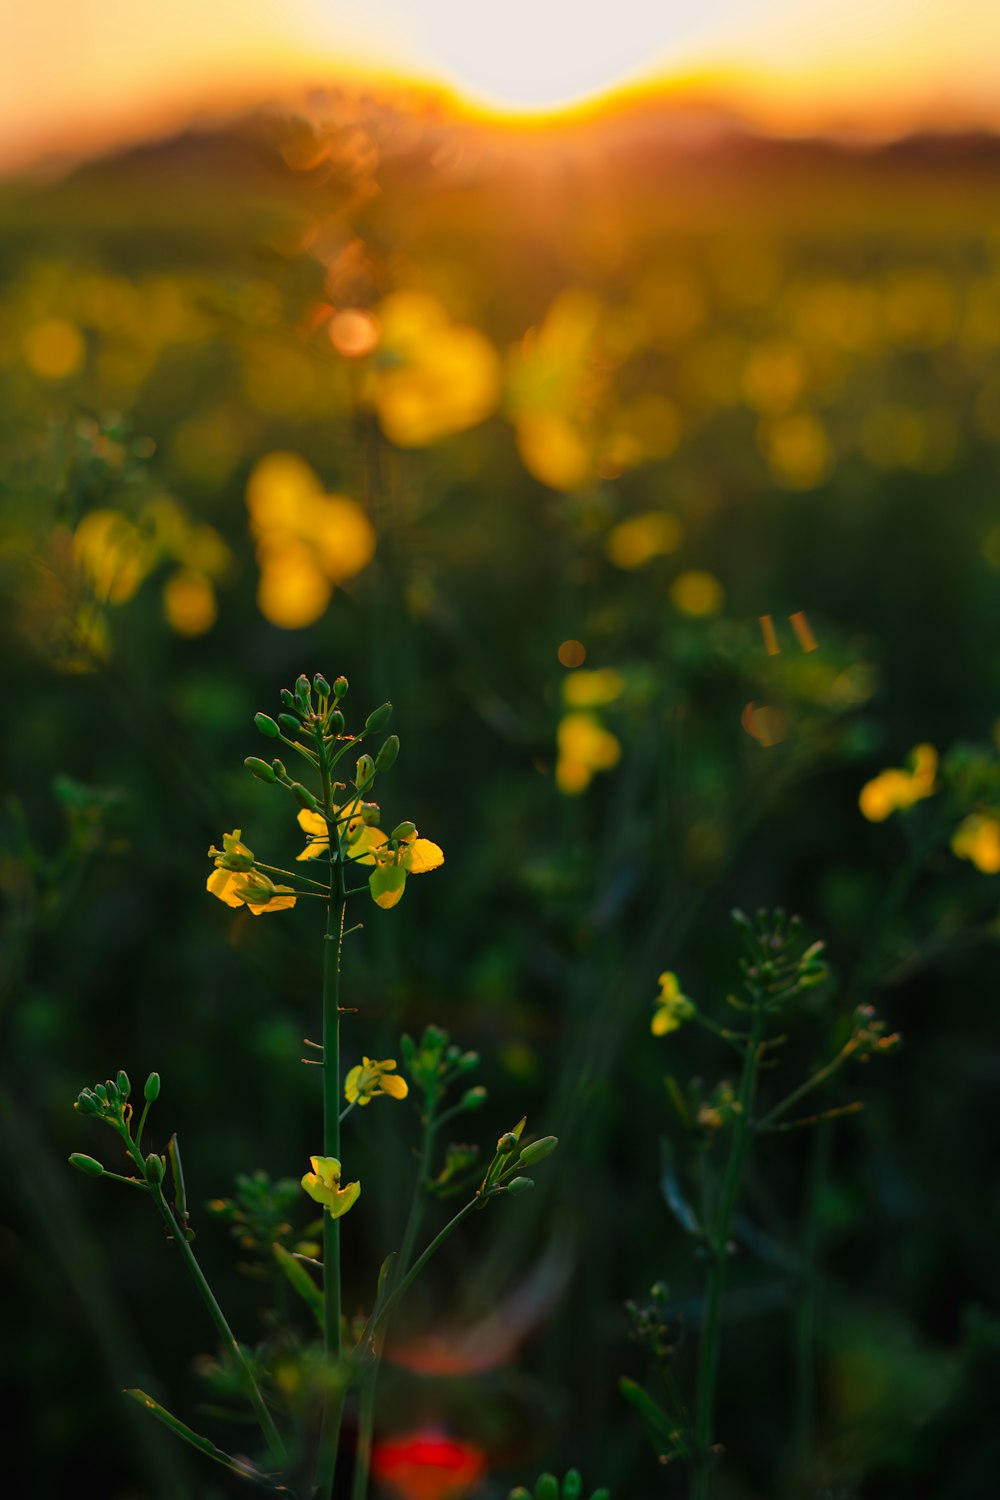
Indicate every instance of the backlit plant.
{"type": "Point", "coordinates": [344, 840]}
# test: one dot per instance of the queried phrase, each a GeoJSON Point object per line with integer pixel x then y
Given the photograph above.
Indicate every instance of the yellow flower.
{"type": "Point", "coordinates": [585, 746]}
{"type": "Point", "coordinates": [323, 1184]}
{"type": "Point", "coordinates": [977, 837]}
{"type": "Point", "coordinates": [371, 1077]}
{"type": "Point", "coordinates": [671, 1006]}
{"type": "Point", "coordinates": [360, 841]}
{"type": "Point", "coordinates": [412, 856]}
{"type": "Point", "coordinates": [896, 789]}
{"type": "Point", "coordinates": [236, 882]}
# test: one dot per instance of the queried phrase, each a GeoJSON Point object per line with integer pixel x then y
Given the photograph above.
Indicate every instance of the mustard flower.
{"type": "Point", "coordinates": [411, 856]}
{"type": "Point", "coordinates": [237, 882]}
{"type": "Point", "coordinates": [671, 1006]}
{"type": "Point", "coordinates": [977, 838]}
{"type": "Point", "coordinates": [359, 839]}
{"type": "Point", "coordinates": [897, 789]}
{"type": "Point", "coordinates": [323, 1185]}
{"type": "Point", "coordinates": [371, 1077]}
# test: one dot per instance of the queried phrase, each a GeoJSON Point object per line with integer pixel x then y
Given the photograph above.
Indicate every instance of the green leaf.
{"type": "Point", "coordinates": [661, 1429]}
{"type": "Point", "coordinates": [672, 1191]}
{"type": "Point", "coordinates": [180, 1429]}
{"type": "Point", "coordinates": [301, 1282]}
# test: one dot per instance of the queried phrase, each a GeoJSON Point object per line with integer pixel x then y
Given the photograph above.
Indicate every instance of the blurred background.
{"type": "Point", "coordinates": [523, 422]}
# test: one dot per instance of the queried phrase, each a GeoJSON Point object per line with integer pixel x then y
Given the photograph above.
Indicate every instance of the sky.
{"type": "Point", "coordinates": [74, 72]}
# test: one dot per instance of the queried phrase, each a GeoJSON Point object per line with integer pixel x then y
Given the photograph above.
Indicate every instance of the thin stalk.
{"type": "Point", "coordinates": [419, 1264]}
{"type": "Point", "coordinates": [176, 1231]}
{"type": "Point", "coordinates": [366, 1411]}
{"type": "Point", "coordinates": [333, 1337]}
{"type": "Point", "coordinates": [820, 1076]}
{"type": "Point", "coordinates": [711, 1334]}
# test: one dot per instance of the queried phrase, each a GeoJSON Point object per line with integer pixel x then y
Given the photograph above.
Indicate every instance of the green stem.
{"type": "Point", "coordinates": [820, 1076]}
{"type": "Point", "coordinates": [333, 1337]}
{"type": "Point", "coordinates": [718, 1247]}
{"type": "Point", "coordinates": [176, 1232]}
{"type": "Point", "coordinates": [294, 875]}
{"type": "Point", "coordinates": [366, 1411]}
{"type": "Point", "coordinates": [419, 1264]}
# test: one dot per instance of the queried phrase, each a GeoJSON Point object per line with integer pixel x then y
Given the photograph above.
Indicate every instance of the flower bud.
{"type": "Point", "coordinates": [517, 1186]}
{"type": "Point", "coordinates": [388, 751]}
{"type": "Point", "coordinates": [467, 1062]}
{"type": "Point", "coordinates": [267, 726]}
{"type": "Point", "coordinates": [101, 1092]}
{"type": "Point", "coordinates": [154, 1168]}
{"type": "Point", "coordinates": [340, 687]}
{"type": "Point", "coordinates": [87, 1104]}
{"type": "Point", "coordinates": [278, 767]}
{"type": "Point", "coordinates": [538, 1151]}
{"type": "Point", "coordinates": [303, 694]}
{"type": "Point", "coordinates": [289, 724]}
{"type": "Point", "coordinates": [364, 771]}
{"type": "Point", "coordinates": [86, 1164]}
{"type": "Point", "coordinates": [303, 796]}
{"type": "Point", "coordinates": [572, 1485]}
{"type": "Point", "coordinates": [547, 1485]}
{"type": "Point", "coordinates": [287, 699]}
{"type": "Point", "coordinates": [114, 1098]}
{"type": "Point", "coordinates": [321, 685]}
{"type": "Point", "coordinates": [507, 1144]}
{"type": "Point", "coordinates": [519, 1494]}
{"type": "Point", "coordinates": [403, 832]}
{"type": "Point", "coordinates": [124, 1087]}
{"type": "Point", "coordinates": [336, 722]}
{"type": "Point", "coordinates": [260, 770]}
{"type": "Point", "coordinates": [152, 1090]}
{"type": "Point", "coordinates": [474, 1098]}
{"type": "Point", "coordinates": [370, 814]}
{"type": "Point", "coordinates": [378, 718]}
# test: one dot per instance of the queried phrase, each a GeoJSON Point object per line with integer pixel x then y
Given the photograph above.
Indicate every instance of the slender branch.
{"type": "Point", "coordinates": [820, 1076]}
{"type": "Point", "coordinates": [176, 1231]}
{"type": "Point", "coordinates": [294, 875]}
{"type": "Point", "coordinates": [419, 1264]}
{"type": "Point", "coordinates": [718, 1246]}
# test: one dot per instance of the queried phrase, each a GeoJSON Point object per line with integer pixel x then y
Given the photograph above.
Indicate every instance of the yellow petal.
{"type": "Point", "coordinates": [351, 1084]}
{"type": "Point", "coordinates": [424, 856]}
{"type": "Point", "coordinates": [312, 822]}
{"type": "Point", "coordinates": [395, 1086]}
{"type": "Point", "coordinates": [664, 1021]}
{"type": "Point", "coordinates": [221, 883]}
{"type": "Point", "coordinates": [345, 1198]}
{"type": "Point", "coordinates": [362, 850]}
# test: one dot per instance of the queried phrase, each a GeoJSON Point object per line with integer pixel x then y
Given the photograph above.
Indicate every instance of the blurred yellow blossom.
{"type": "Point", "coordinates": [797, 450]}
{"type": "Point", "coordinates": [585, 747]}
{"type": "Point", "coordinates": [672, 1007]}
{"type": "Point", "coordinates": [592, 689]}
{"type": "Point", "coordinates": [977, 838]}
{"type": "Point", "coordinates": [896, 789]}
{"type": "Point", "coordinates": [54, 349]}
{"type": "Point", "coordinates": [697, 593]}
{"type": "Point", "coordinates": [112, 555]}
{"type": "Point", "coordinates": [189, 602]}
{"type": "Point", "coordinates": [323, 1185]}
{"type": "Point", "coordinates": [429, 377]}
{"type": "Point", "coordinates": [307, 541]}
{"type": "Point", "coordinates": [371, 1077]}
{"type": "Point", "coordinates": [636, 541]}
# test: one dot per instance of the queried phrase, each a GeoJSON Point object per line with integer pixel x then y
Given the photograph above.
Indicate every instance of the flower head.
{"type": "Point", "coordinates": [895, 789]}
{"type": "Point", "coordinates": [371, 1077]}
{"type": "Point", "coordinates": [404, 855]}
{"type": "Point", "coordinates": [323, 1185]}
{"type": "Point", "coordinates": [358, 837]}
{"type": "Point", "coordinates": [237, 882]}
{"type": "Point", "coordinates": [671, 1006]}
{"type": "Point", "coordinates": [977, 838]}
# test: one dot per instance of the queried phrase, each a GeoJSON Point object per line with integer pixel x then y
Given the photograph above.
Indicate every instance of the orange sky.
{"type": "Point", "coordinates": [78, 73]}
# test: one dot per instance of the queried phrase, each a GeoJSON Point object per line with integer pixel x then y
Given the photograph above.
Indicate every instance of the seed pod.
{"type": "Point", "coordinates": [538, 1151]}
{"type": "Point", "coordinates": [152, 1090]}
{"type": "Point", "coordinates": [388, 751]}
{"type": "Point", "coordinates": [260, 770]}
{"type": "Point", "coordinates": [154, 1168]}
{"type": "Point", "coordinates": [267, 726]}
{"type": "Point", "coordinates": [86, 1164]}
{"type": "Point", "coordinates": [378, 718]}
